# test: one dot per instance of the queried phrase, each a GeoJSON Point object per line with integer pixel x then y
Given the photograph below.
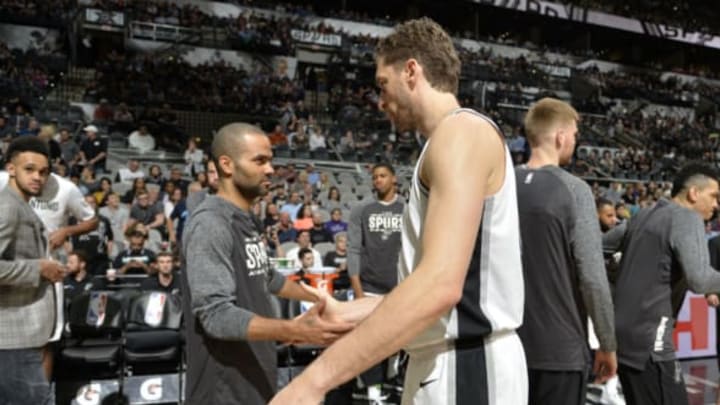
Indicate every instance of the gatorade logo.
{"type": "Point", "coordinates": [151, 389]}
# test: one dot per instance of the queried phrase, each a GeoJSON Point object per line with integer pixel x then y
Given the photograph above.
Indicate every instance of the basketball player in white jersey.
{"type": "Point", "coordinates": [460, 297]}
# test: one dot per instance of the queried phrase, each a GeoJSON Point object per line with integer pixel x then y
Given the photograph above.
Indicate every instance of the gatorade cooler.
{"type": "Point", "coordinates": [321, 278]}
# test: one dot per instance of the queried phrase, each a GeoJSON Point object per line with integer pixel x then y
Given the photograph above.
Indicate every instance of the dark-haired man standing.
{"type": "Point", "coordinates": [664, 250]}
{"type": "Point", "coordinates": [26, 277]}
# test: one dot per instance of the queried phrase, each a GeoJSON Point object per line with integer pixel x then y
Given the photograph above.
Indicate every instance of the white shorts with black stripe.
{"type": "Point", "coordinates": [493, 372]}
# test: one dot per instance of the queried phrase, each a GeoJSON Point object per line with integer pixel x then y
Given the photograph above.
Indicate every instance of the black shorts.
{"type": "Point", "coordinates": [660, 383]}
{"type": "Point", "coordinates": [556, 387]}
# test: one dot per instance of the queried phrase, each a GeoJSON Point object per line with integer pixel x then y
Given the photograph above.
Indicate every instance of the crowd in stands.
{"type": "Point", "coordinates": [689, 15]}
{"type": "Point", "coordinates": [216, 86]}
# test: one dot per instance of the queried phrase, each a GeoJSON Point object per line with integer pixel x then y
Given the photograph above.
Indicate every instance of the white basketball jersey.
{"type": "Point", "coordinates": [493, 293]}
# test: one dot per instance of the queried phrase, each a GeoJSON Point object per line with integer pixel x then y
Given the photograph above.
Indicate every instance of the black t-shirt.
{"type": "Point", "coordinates": [333, 259]}
{"type": "Point", "coordinates": [94, 148]}
{"type": "Point", "coordinates": [145, 215]}
{"type": "Point", "coordinates": [126, 256]}
{"type": "Point", "coordinates": [73, 288]}
{"type": "Point", "coordinates": [319, 235]}
{"type": "Point", "coordinates": [94, 245]}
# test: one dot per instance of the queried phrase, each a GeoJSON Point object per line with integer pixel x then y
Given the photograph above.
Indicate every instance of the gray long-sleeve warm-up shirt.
{"type": "Point", "coordinates": [565, 278]}
{"type": "Point", "coordinates": [228, 279]}
{"type": "Point", "coordinates": [664, 252]}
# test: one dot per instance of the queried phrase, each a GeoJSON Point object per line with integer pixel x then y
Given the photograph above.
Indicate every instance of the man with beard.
{"type": "Point", "coordinates": [230, 331]}
{"type": "Point", "coordinates": [26, 276]}
{"type": "Point", "coordinates": [460, 296]}
{"type": "Point", "coordinates": [606, 214]}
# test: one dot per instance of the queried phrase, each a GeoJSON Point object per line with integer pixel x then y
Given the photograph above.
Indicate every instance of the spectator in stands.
{"type": "Point", "coordinates": [96, 244]}
{"type": "Point", "coordinates": [136, 259]}
{"type": "Point", "coordinates": [312, 175]}
{"type": "Point", "coordinates": [299, 139]}
{"type": "Point", "coordinates": [69, 150]}
{"type": "Point", "coordinates": [6, 130]}
{"type": "Point", "coordinates": [176, 177]}
{"type": "Point", "coordinates": [93, 150]}
{"type": "Point", "coordinates": [123, 114]}
{"type": "Point", "coordinates": [317, 141]}
{"type": "Point", "coordinates": [338, 260]}
{"type": "Point", "coordinates": [195, 198]}
{"type": "Point", "coordinates": [285, 230]}
{"type": "Point", "coordinates": [333, 199]}
{"type": "Point", "coordinates": [88, 183]}
{"type": "Point", "coordinates": [622, 212]}
{"type": "Point", "coordinates": [117, 214]}
{"type": "Point", "coordinates": [306, 261]}
{"type": "Point", "coordinates": [19, 120]}
{"type": "Point", "coordinates": [165, 279]}
{"type": "Point", "coordinates": [318, 232]}
{"type": "Point", "coordinates": [174, 197]}
{"type": "Point", "coordinates": [304, 218]}
{"type": "Point", "coordinates": [278, 139]}
{"type": "Point", "coordinates": [323, 184]}
{"type": "Point", "coordinates": [347, 143]}
{"type": "Point", "coordinates": [138, 186]}
{"type": "Point", "coordinates": [293, 205]}
{"type": "Point", "coordinates": [303, 241]}
{"type": "Point", "coordinates": [200, 178]}
{"type": "Point", "coordinates": [193, 159]}
{"type": "Point", "coordinates": [103, 191]}
{"type": "Point", "coordinates": [32, 129]}
{"type": "Point", "coordinates": [131, 172]}
{"type": "Point", "coordinates": [272, 215]}
{"type": "Point", "coordinates": [77, 280]}
{"type": "Point", "coordinates": [336, 225]}
{"type": "Point", "coordinates": [177, 218]}
{"type": "Point", "coordinates": [103, 112]}
{"type": "Point", "coordinates": [146, 213]}
{"type": "Point", "coordinates": [155, 176]}
{"type": "Point", "coordinates": [141, 140]}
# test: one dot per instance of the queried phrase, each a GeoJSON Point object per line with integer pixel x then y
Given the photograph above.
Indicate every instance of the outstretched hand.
{"type": "Point", "coordinates": [311, 327]}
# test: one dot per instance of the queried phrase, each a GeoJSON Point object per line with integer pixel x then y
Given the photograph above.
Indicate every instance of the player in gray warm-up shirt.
{"type": "Point", "coordinates": [564, 271]}
{"type": "Point", "coordinates": [374, 237]}
{"type": "Point", "coordinates": [664, 252]}
{"type": "Point", "coordinates": [230, 329]}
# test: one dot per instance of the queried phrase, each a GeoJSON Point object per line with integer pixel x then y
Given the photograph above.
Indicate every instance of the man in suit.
{"type": "Point", "coordinates": [26, 276]}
